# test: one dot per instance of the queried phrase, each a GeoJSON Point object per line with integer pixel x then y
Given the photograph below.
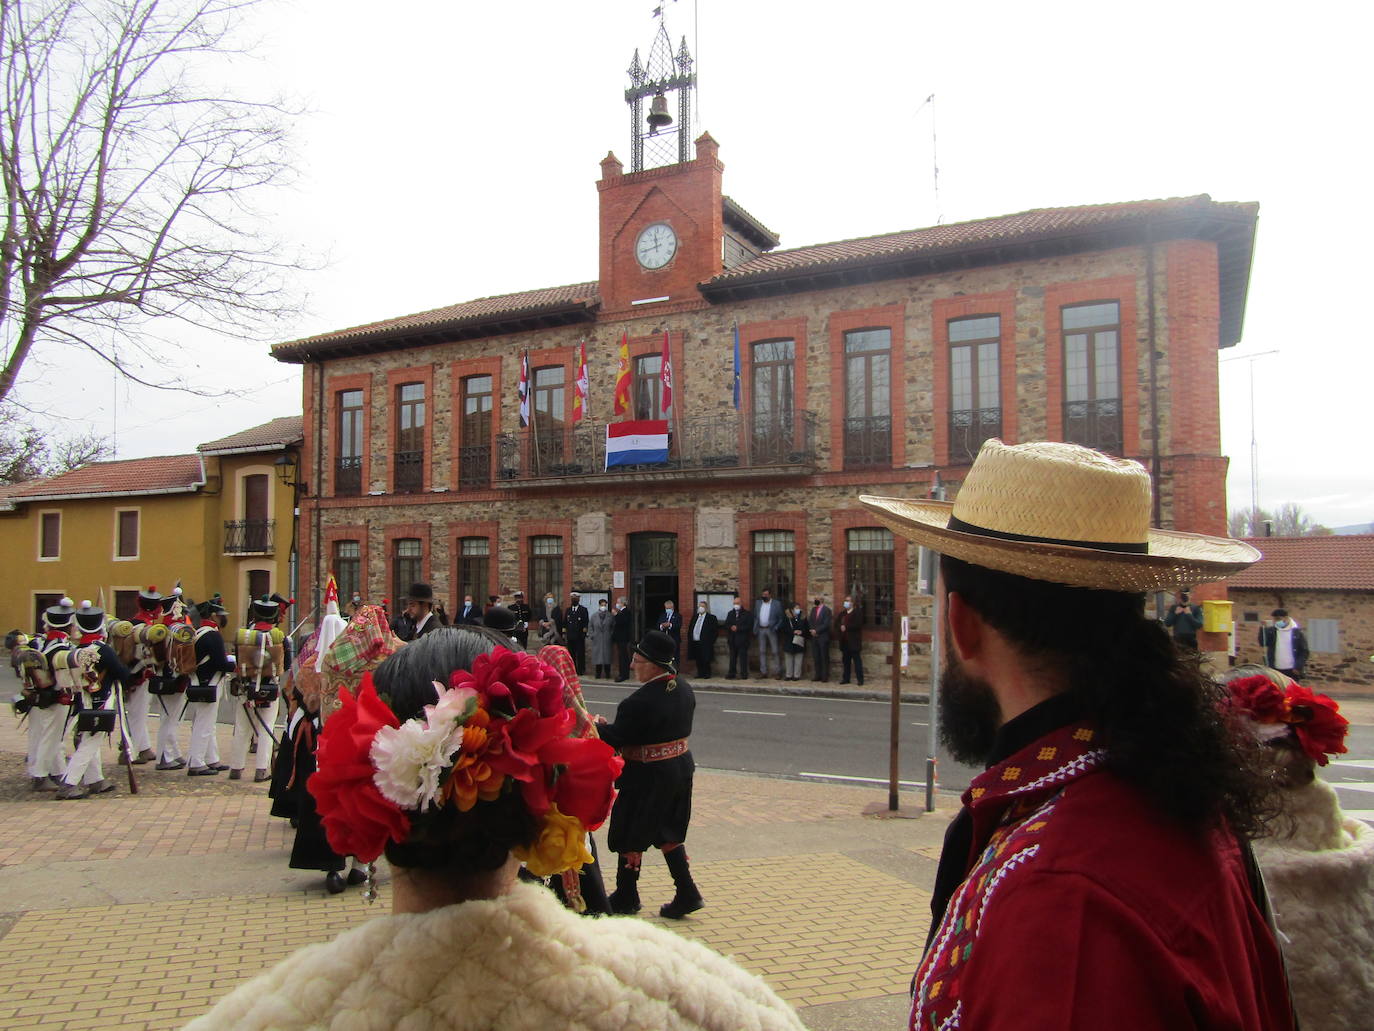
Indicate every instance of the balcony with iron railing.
{"type": "Point", "coordinates": [868, 442]}
{"type": "Point", "coordinates": [1094, 424]}
{"type": "Point", "coordinates": [968, 428]}
{"type": "Point", "coordinates": [734, 446]}
{"type": "Point", "coordinates": [348, 476]}
{"type": "Point", "coordinates": [410, 472]}
{"type": "Point", "coordinates": [474, 467]}
{"type": "Point", "coordinates": [249, 536]}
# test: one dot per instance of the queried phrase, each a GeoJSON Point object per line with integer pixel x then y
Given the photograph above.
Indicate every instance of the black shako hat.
{"type": "Point", "coordinates": [89, 618]}
{"type": "Point", "coordinates": [263, 610]}
{"type": "Point", "coordinates": [59, 616]}
{"type": "Point", "coordinates": [420, 592]}
{"type": "Point", "coordinates": [657, 647]}
{"type": "Point", "coordinates": [212, 608]}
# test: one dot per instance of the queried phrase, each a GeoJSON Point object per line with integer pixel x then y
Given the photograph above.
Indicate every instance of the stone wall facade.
{"type": "Point", "coordinates": [1350, 667]}
{"type": "Point", "coordinates": [716, 515]}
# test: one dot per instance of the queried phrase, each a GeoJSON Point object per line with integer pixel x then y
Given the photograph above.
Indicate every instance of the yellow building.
{"type": "Point", "coordinates": [220, 520]}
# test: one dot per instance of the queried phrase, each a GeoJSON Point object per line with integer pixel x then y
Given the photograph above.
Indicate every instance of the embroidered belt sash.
{"type": "Point", "coordinates": [654, 753]}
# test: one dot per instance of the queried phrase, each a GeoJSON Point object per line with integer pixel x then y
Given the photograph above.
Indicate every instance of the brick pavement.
{"type": "Point", "coordinates": [158, 904]}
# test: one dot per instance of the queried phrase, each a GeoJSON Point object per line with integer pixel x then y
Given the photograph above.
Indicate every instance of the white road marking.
{"type": "Point", "coordinates": [592, 701]}
{"type": "Point", "coordinates": [1353, 785]}
{"type": "Point", "coordinates": [920, 724]}
{"type": "Point", "coordinates": [864, 780]}
{"type": "Point", "coordinates": [1358, 764]}
{"type": "Point", "coordinates": [1364, 815]}
{"type": "Point", "coordinates": [751, 712]}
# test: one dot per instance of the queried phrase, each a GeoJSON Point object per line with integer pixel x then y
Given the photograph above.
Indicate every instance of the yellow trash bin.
{"type": "Point", "coordinates": [1216, 616]}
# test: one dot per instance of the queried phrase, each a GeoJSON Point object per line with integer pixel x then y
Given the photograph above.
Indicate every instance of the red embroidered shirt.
{"type": "Point", "coordinates": [1085, 907]}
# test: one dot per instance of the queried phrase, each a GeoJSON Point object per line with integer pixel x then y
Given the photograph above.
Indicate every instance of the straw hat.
{"type": "Point", "coordinates": [1062, 513]}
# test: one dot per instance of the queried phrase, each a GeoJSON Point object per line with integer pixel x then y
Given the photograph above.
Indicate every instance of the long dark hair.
{"type": "Point", "coordinates": [445, 839]}
{"type": "Point", "coordinates": [1160, 714]}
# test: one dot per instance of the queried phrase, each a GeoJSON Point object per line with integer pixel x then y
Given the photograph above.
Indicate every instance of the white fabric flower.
{"type": "Point", "coordinates": [408, 761]}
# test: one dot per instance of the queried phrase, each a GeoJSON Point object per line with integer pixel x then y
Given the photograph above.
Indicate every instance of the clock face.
{"type": "Point", "coordinates": [656, 245]}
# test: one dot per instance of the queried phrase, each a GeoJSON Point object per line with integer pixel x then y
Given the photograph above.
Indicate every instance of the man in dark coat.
{"type": "Point", "coordinates": [1184, 620]}
{"type": "Point", "coordinates": [654, 806]}
{"type": "Point", "coordinates": [418, 618]}
{"type": "Point", "coordinates": [701, 635]}
{"type": "Point", "coordinates": [670, 623]}
{"type": "Point", "coordinates": [469, 613]}
{"type": "Point", "coordinates": [576, 619]}
{"type": "Point", "coordinates": [818, 622]}
{"type": "Point", "coordinates": [622, 633]}
{"type": "Point", "coordinates": [851, 634]}
{"type": "Point", "coordinates": [521, 611]}
{"type": "Point", "coordinates": [739, 626]}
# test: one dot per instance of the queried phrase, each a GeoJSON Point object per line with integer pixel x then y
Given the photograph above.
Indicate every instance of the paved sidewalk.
{"type": "Point", "coordinates": [146, 909]}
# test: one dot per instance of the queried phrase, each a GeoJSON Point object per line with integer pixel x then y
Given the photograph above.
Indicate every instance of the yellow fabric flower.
{"type": "Point", "coordinates": [561, 846]}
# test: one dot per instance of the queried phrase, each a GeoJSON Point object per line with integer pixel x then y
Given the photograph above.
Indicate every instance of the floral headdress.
{"type": "Point", "coordinates": [501, 727]}
{"type": "Point", "coordinates": [1314, 719]}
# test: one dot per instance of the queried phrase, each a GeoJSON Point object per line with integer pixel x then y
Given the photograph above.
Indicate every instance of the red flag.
{"type": "Point", "coordinates": [667, 375]}
{"type": "Point", "coordinates": [622, 377]}
{"type": "Point", "coordinates": [580, 387]}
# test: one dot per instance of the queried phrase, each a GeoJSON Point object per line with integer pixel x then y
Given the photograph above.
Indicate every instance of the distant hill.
{"type": "Point", "coordinates": [1356, 528]}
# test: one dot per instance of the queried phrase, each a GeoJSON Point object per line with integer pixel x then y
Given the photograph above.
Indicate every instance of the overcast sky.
{"type": "Point", "coordinates": [450, 150]}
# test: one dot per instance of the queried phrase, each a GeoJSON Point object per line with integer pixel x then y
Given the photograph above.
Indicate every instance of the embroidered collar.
{"type": "Point", "coordinates": [92, 638]}
{"type": "Point", "coordinates": [1031, 775]}
{"type": "Point", "coordinates": [55, 635]}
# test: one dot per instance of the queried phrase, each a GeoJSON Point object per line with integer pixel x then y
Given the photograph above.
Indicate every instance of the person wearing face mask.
{"type": "Point", "coordinates": [1284, 644]}
{"type": "Point", "coordinates": [794, 636]}
{"type": "Point", "coordinates": [670, 623]}
{"type": "Point", "coordinates": [739, 624]}
{"type": "Point", "coordinates": [768, 620]}
{"type": "Point", "coordinates": [470, 614]}
{"type": "Point", "coordinates": [703, 638]}
{"type": "Point", "coordinates": [622, 633]}
{"type": "Point", "coordinates": [523, 615]}
{"type": "Point", "coordinates": [819, 633]}
{"type": "Point", "coordinates": [849, 630]}
{"type": "Point", "coordinates": [599, 638]}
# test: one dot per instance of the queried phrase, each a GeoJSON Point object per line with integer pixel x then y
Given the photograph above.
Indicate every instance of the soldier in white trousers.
{"type": "Point", "coordinates": [93, 671]}
{"type": "Point", "coordinates": [257, 687]}
{"type": "Point", "coordinates": [137, 698]}
{"type": "Point", "coordinates": [170, 705]}
{"type": "Point", "coordinates": [212, 665]}
{"type": "Point", "coordinates": [48, 706]}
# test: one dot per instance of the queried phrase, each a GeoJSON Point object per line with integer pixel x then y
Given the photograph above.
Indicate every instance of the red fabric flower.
{"type": "Point", "coordinates": [584, 780]}
{"type": "Point", "coordinates": [511, 681]}
{"type": "Point", "coordinates": [358, 820]}
{"type": "Point", "coordinates": [1318, 722]}
{"type": "Point", "coordinates": [1260, 698]}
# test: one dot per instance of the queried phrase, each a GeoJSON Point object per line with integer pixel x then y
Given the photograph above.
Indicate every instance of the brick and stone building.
{"type": "Point", "coordinates": [1327, 585]}
{"type": "Point", "coordinates": [874, 365]}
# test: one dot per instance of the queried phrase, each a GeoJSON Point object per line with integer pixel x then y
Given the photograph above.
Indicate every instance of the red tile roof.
{"type": "Point", "coordinates": [527, 302]}
{"type": "Point", "coordinates": [1343, 562]}
{"type": "Point", "coordinates": [1040, 222]}
{"type": "Point", "coordinates": [270, 436]}
{"type": "Point", "coordinates": [162, 475]}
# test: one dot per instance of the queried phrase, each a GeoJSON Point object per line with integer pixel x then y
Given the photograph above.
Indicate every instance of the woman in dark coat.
{"type": "Point", "coordinates": [654, 806]}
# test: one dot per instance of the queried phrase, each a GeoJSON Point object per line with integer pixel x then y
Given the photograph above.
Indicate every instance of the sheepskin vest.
{"type": "Point", "coordinates": [518, 962]}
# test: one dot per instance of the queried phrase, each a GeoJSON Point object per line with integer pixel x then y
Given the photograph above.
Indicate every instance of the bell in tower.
{"type": "Point", "coordinates": [657, 138]}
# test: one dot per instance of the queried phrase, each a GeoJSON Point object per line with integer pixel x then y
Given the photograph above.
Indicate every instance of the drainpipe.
{"type": "Point", "coordinates": [1154, 371]}
{"type": "Point", "coordinates": [317, 484]}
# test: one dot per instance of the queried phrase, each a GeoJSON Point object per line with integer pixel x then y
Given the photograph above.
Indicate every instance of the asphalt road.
{"type": "Point", "coordinates": [805, 738]}
{"type": "Point", "coordinates": [846, 741]}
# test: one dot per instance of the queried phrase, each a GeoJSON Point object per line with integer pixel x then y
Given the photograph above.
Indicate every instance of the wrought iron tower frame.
{"type": "Point", "coordinates": [664, 72]}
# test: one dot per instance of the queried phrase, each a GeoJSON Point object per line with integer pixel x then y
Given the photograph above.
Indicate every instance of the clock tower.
{"type": "Point", "coordinates": [665, 225]}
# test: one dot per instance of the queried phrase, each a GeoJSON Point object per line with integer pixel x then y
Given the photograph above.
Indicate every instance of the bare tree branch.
{"type": "Point", "coordinates": [128, 183]}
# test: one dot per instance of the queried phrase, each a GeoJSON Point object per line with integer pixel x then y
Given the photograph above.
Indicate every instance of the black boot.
{"type": "Point", "coordinates": [625, 898]}
{"type": "Point", "coordinates": [687, 899]}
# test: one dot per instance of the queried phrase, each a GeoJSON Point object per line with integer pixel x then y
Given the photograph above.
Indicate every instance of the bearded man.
{"type": "Point", "coordinates": [1099, 873]}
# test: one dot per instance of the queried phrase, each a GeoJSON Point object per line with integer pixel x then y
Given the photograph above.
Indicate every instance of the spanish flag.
{"type": "Point", "coordinates": [622, 377]}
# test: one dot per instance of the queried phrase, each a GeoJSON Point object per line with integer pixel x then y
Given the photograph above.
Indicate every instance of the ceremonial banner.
{"type": "Point", "coordinates": [667, 375]}
{"type": "Point", "coordinates": [622, 377]}
{"type": "Point", "coordinates": [639, 442]}
{"type": "Point", "coordinates": [524, 389]}
{"type": "Point", "coordinates": [580, 386]}
{"type": "Point", "coordinates": [736, 327]}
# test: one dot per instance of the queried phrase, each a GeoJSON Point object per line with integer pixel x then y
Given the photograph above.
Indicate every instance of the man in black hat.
{"type": "Point", "coordinates": [260, 664]}
{"type": "Point", "coordinates": [418, 618]}
{"type": "Point", "coordinates": [138, 698]}
{"type": "Point", "coordinates": [654, 806]}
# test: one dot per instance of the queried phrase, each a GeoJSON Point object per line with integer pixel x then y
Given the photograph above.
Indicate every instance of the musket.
{"type": "Point", "coordinates": [124, 738]}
